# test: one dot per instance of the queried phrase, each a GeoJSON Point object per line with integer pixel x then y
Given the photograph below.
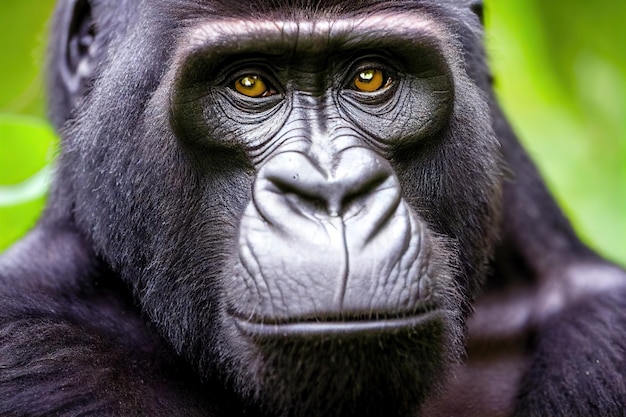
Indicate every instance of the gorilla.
{"type": "Point", "coordinates": [290, 208]}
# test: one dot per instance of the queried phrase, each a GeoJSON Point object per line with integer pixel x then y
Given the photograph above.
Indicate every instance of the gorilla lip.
{"type": "Point", "coordinates": [336, 327]}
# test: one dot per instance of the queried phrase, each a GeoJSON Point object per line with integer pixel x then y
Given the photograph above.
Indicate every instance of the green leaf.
{"type": "Point", "coordinates": [30, 189]}
{"type": "Point", "coordinates": [27, 146]}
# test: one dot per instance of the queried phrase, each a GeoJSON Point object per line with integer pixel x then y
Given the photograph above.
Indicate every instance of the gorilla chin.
{"type": "Point", "coordinates": [386, 367]}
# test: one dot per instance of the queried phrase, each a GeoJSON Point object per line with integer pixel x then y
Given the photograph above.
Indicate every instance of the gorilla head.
{"type": "Point", "coordinates": [303, 197]}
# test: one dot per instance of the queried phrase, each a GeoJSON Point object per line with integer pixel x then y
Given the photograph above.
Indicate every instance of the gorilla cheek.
{"type": "Point", "coordinates": [319, 245]}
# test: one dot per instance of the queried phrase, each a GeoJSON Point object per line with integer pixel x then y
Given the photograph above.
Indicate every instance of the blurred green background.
{"type": "Point", "coordinates": [560, 69]}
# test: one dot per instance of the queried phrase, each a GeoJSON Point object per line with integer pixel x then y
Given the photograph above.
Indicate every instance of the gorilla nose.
{"type": "Point", "coordinates": [342, 189]}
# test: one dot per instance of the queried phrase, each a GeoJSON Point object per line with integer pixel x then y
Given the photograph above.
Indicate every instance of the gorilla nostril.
{"type": "Point", "coordinates": [302, 182]}
{"type": "Point", "coordinates": [368, 188]}
{"type": "Point", "coordinates": [305, 197]}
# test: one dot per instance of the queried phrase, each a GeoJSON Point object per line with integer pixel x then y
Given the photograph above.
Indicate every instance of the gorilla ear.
{"type": "Point", "coordinates": [478, 8]}
{"type": "Point", "coordinates": [78, 54]}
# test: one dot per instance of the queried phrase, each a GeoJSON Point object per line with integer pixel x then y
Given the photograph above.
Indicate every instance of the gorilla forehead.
{"type": "Point", "coordinates": [316, 33]}
{"type": "Point", "coordinates": [197, 24]}
{"type": "Point", "coordinates": [188, 9]}
{"type": "Point", "coordinates": [245, 8]}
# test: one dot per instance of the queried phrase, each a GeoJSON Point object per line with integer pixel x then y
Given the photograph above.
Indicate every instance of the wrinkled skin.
{"type": "Point", "coordinates": [297, 209]}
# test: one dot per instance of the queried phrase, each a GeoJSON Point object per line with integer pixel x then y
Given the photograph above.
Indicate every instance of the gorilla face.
{"type": "Point", "coordinates": [303, 202]}
{"type": "Point", "coordinates": [326, 233]}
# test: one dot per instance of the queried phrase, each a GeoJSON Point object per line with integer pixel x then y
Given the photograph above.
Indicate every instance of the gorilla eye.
{"type": "Point", "coordinates": [254, 86]}
{"type": "Point", "coordinates": [370, 80]}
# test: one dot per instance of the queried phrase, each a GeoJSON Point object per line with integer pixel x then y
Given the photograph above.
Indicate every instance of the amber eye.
{"type": "Point", "coordinates": [252, 85]}
{"type": "Point", "coordinates": [370, 80]}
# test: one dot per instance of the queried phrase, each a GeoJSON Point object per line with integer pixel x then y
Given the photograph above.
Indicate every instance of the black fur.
{"type": "Point", "coordinates": [118, 302]}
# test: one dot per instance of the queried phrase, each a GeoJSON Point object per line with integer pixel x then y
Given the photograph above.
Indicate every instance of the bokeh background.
{"type": "Point", "coordinates": [560, 68]}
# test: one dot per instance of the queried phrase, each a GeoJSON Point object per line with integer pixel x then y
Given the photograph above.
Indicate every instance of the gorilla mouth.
{"type": "Point", "coordinates": [337, 325]}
